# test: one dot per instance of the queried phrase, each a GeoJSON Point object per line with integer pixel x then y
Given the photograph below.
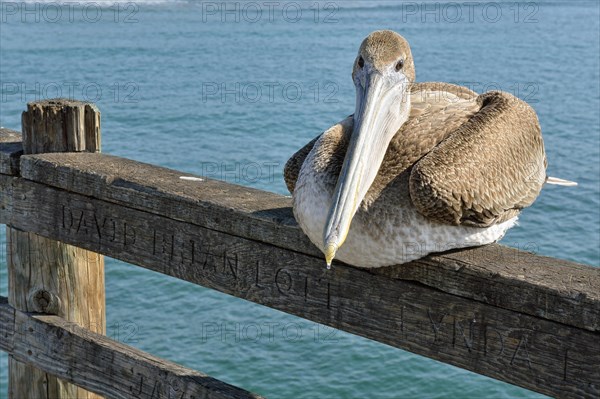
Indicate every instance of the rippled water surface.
{"type": "Point", "coordinates": [233, 94]}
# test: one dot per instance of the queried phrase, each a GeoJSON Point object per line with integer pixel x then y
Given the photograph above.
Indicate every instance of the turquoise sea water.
{"type": "Point", "coordinates": [232, 90]}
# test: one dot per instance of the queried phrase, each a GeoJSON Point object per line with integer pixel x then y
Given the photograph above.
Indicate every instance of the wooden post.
{"type": "Point", "coordinates": [48, 276]}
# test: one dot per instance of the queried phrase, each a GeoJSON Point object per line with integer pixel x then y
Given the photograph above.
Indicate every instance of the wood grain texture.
{"type": "Point", "coordinates": [48, 276]}
{"type": "Point", "coordinates": [550, 288]}
{"type": "Point", "coordinates": [45, 275]}
{"type": "Point", "coordinates": [529, 351]}
{"type": "Point", "coordinates": [101, 364]}
{"type": "Point", "coordinates": [7, 321]}
{"type": "Point", "coordinates": [11, 148]}
{"type": "Point", "coordinates": [60, 125]}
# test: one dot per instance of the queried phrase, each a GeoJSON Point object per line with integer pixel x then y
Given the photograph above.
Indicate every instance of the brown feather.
{"type": "Point", "coordinates": [487, 170]}
{"type": "Point", "coordinates": [383, 47]}
{"type": "Point", "coordinates": [476, 160]}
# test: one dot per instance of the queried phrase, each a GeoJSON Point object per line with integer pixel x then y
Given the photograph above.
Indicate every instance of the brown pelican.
{"type": "Point", "coordinates": [418, 167]}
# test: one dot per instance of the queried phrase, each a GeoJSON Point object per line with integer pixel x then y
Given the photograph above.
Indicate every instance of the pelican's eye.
{"type": "Point", "coordinates": [361, 62]}
{"type": "Point", "coordinates": [399, 65]}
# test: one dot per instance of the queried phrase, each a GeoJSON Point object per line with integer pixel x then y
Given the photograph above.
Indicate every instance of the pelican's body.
{"type": "Point", "coordinates": [418, 168]}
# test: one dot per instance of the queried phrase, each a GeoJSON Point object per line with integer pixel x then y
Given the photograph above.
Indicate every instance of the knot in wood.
{"type": "Point", "coordinates": [43, 301]}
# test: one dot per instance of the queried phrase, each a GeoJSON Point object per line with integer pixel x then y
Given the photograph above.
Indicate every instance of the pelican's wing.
{"type": "Point", "coordinates": [293, 165]}
{"type": "Point", "coordinates": [437, 110]}
{"type": "Point", "coordinates": [291, 170]}
{"type": "Point", "coordinates": [487, 169]}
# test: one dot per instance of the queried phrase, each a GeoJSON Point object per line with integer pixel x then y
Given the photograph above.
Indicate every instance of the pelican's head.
{"type": "Point", "coordinates": [382, 73]}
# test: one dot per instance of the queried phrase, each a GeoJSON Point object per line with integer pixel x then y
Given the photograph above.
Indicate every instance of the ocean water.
{"type": "Point", "coordinates": [231, 90]}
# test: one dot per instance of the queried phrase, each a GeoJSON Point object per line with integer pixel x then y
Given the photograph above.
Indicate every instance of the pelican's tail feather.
{"type": "Point", "coordinates": [560, 182]}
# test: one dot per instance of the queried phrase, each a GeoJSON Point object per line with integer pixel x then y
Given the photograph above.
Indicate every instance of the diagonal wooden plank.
{"type": "Point", "coordinates": [100, 364]}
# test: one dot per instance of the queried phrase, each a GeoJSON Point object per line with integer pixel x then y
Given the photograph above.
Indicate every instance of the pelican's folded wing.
{"type": "Point", "coordinates": [294, 164]}
{"type": "Point", "coordinates": [485, 171]}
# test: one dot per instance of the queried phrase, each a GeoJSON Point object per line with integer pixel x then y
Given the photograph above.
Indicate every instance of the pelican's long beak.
{"type": "Point", "coordinates": [377, 118]}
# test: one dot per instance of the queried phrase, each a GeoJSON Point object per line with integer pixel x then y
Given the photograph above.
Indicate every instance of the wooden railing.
{"type": "Point", "coordinates": [529, 320]}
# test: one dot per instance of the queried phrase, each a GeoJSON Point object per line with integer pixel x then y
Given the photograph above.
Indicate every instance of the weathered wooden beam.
{"type": "Point", "coordinates": [100, 364]}
{"type": "Point", "coordinates": [538, 354]}
{"type": "Point", "coordinates": [11, 148]}
{"type": "Point", "coordinates": [550, 288]}
{"type": "Point", "coordinates": [61, 125]}
{"type": "Point", "coordinates": [7, 329]}
{"type": "Point", "coordinates": [49, 276]}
